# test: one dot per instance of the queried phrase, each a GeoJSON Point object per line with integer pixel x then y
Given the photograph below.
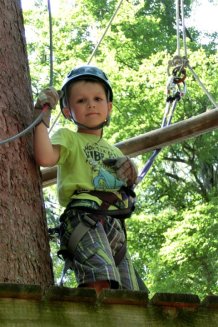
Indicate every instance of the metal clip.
{"type": "Point", "coordinates": [178, 62]}
{"type": "Point", "coordinates": [177, 77]}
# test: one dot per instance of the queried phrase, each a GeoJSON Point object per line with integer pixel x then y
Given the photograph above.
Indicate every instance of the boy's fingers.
{"type": "Point", "coordinates": [47, 96]}
{"type": "Point", "coordinates": [125, 169]}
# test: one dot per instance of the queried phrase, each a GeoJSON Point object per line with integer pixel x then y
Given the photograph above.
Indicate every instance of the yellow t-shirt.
{"type": "Point", "coordinates": [80, 166]}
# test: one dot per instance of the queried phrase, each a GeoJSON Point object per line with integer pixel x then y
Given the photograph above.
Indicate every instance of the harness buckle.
{"type": "Point", "coordinates": [90, 222]}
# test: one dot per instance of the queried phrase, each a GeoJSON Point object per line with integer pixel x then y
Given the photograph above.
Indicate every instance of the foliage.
{"type": "Point", "coordinates": [179, 249]}
{"type": "Point", "coordinates": [172, 236]}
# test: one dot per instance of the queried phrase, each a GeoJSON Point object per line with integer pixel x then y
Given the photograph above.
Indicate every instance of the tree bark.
{"type": "Point", "coordinates": [24, 243]}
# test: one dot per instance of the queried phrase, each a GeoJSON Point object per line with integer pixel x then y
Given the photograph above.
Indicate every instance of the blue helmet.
{"type": "Point", "coordinates": [85, 72]}
{"type": "Point", "coordinates": [81, 73]}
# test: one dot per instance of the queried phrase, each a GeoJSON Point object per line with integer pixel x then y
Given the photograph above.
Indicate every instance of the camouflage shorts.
{"type": "Point", "coordinates": [93, 259]}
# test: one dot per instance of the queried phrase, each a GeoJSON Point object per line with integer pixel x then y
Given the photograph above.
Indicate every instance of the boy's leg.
{"type": "Point", "coordinates": [98, 286]}
{"type": "Point", "coordinates": [116, 237]}
{"type": "Point", "coordinates": [127, 274]}
{"type": "Point", "coordinates": [93, 262]}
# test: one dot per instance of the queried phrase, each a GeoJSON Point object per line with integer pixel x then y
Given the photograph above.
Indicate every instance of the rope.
{"type": "Point", "coordinates": [183, 28]}
{"type": "Point", "coordinates": [93, 53]}
{"type": "Point", "coordinates": [212, 100]}
{"type": "Point", "coordinates": [180, 16]}
{"type": "Point", "coordinates": [25, 131]}
{"type": "Point", "coordinates": [106, 29]}
{"type": "Point", "coordinates": [183, 61]}
{"type": "Point", "coordinates": [177, 26]}
{"type": "Point", "coordinates": [50, 43]}
{"type": "Point", "coordinates": [169, 110]}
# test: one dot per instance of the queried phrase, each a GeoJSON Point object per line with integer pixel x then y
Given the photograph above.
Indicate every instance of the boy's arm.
{"type": "Point", "coordinates": [46, 154]}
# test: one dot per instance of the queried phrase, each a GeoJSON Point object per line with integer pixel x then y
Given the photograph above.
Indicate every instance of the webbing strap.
{"type": "Point", "coordinates": [78, 233]}
{"type": "Point", "coordinates": [67, 266]}
{"type": "Point", "coordinates": [88, 222]}
{"type": "Point", "coordinates": [81, 229]}
{"type": "Point", "coordinates": [118, 213]}
{"type": "Point", "coordinates": [108, 198]}
{"type": "Point", "coordinates": [120, 254]}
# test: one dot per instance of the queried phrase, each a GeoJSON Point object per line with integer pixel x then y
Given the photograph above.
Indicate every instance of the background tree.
{"type": "Point", "coordinates": [176, 251]}
{"type": "Point", "coordinates": [24, 248]}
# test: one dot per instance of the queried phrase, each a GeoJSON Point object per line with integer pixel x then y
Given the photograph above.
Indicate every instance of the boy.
{"type": "Point", "coordinates": [94, 181]}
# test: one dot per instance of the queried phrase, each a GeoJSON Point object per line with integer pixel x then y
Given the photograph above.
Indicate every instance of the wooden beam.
{"type": "Point", "coordinates": [157, 138]}
{"type": "Point", "coordinates": [175, 133]}
{"type": "Point", "coordinates": [30, 305]}
{"type": "Point", "coordinates": [49, 176]}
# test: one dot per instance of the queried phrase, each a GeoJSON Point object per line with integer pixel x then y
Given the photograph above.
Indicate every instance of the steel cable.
{"type": "Point", "coordinates": [93, 53]}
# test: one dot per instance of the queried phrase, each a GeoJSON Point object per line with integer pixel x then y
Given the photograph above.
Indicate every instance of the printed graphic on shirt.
{"type": "Point", "coordinates": [103, 177]}
{"type": "Point", "coordinates": [104, 180]}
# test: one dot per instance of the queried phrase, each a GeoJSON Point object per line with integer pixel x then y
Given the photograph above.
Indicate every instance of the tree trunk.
{"type": "Point", "coordinates": [24, 244]}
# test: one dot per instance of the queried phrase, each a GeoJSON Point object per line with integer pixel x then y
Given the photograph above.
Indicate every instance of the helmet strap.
{"type": "Point", "coordinates": [70, 117]}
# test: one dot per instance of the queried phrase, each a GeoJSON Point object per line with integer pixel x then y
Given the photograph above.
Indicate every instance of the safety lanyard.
{"type": "Point", "coordinates": [171, 103]}
{"type": "Point", "coordinates": [176, 87]}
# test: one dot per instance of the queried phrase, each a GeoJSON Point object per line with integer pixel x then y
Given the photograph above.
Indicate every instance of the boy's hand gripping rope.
{"type": "Point", "coordinates": [124, 168]}
{"type": "Point", "coordinates": [47, 100]}
{"type": "Point", "coordinates": [50, 97]}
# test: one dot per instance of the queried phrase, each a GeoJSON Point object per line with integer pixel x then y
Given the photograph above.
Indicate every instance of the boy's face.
{"type": "Point", "coordinates": [89, 105]}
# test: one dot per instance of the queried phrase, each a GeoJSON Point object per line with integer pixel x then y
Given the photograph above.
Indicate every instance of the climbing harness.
{"type": "Point", "coordinates": [91, 217]}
